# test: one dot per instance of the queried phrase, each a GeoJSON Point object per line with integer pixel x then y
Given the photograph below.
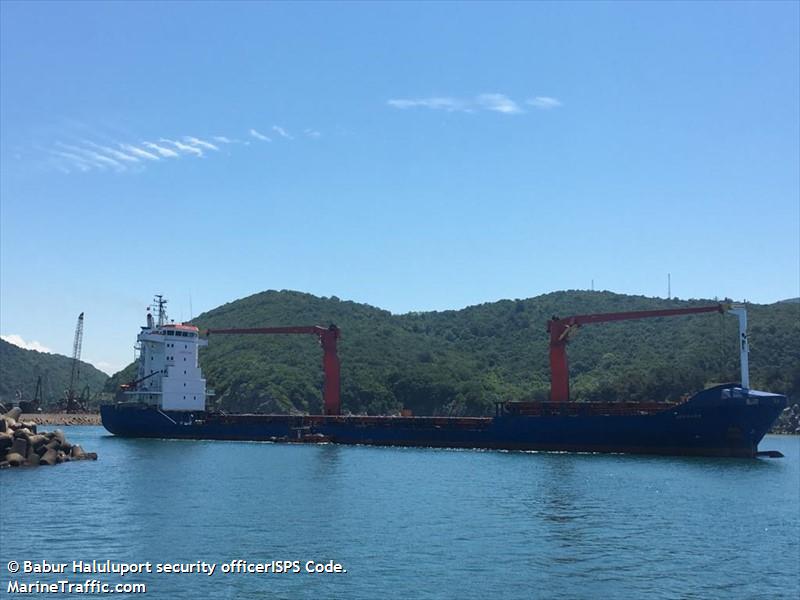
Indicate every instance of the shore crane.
{"type": "Point", "coordinates": [72, 403]}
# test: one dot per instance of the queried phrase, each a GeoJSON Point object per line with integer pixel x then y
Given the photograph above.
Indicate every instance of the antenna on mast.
{"type": "Point", "coordinates": [669, 286]}
{"type": "Point", "coordinates": [161, 309]}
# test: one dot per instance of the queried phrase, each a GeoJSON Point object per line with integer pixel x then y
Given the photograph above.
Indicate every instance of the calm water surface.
{"type": "Point", "coordinates": [414, 523]}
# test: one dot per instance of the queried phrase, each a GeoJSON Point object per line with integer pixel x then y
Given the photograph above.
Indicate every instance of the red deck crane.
{"type": "Point", "coordinates": [562, 329]}
{"type": "Point", "coordinates": [330, 360]}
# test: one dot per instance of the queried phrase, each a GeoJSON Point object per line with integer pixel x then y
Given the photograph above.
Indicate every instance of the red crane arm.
{"type": "Point", "coordinates": [562, 329]}
{"type": "Point", "coordinates": [330, 359]}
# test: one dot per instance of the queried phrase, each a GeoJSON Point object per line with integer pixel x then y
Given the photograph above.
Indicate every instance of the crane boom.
{"type": "Point", "coordinates": [330, 360]}
{"type": "Point", "coordinates": [77, 343]}
{"type": "Point", "coordinates": [562, 329]}
{"type": "Point", "coordinates": [72, 405]}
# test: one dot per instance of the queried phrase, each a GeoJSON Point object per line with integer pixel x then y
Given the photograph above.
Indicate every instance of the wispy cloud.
{"type": "Point", "coordinates": [111, 151]}
{"type": "Point", "coordinates": [73, 160]}
{"type": "Point", "coordinates": [493, 102]}
{"type": "Point", "coordinates": [281, 132]}
{"type": "Point", "coordinates": [435, 103]}
{"type": "Point", "coordinates": [87, 155]}
{"type": "Point", "coordinates": [139, 152]}
{"type": "Point", "coordinates": [93, 158]}
{"type": "Point", "coordinates": [260, 136]}
{"type": "Point", "coordinates": [17, 340]}
{"type": "Point", "coordinates": [198, 142]}
{"type": "Point", "coordinates": [93, 151]}
{"type": "Point", "coordinates": [544, 102]}
{"type": "Point", "coordinates": [498, 103]}
{"type": "Point", "coordinates": [183, 147]}
{"type": "Point", "coordinates": [165, 152]}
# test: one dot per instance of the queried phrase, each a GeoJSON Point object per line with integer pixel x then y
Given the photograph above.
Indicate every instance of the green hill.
{"type": "Point", "coordinates": [460, 362]}
{"type": "Point", "coordinates": [20, 368]}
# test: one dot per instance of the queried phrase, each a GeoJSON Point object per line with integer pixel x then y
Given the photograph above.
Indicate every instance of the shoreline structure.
{"type": "Point", "coordinates": [23, 445]}
{"type": "Point", "coordinates": [62, 418]}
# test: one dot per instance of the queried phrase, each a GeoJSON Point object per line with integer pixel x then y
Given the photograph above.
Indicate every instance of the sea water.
{"type": "Point", "coordinates": [327, 521]}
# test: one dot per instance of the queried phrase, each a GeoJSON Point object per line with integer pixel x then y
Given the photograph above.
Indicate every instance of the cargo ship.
{"type": "Point", "coordinates": [168, 400]}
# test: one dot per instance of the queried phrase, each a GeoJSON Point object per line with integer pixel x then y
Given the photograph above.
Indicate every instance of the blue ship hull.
{"type": "Point", "coordinates": [721, 421]}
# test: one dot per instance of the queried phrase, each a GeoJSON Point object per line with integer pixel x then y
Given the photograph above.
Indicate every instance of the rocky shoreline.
{"type": "Point", "coordinates": [62, 418]}
{"type": "Point", "coordinates": [21, 444]}
{"type": "Point", "coordinates": [788, 421]}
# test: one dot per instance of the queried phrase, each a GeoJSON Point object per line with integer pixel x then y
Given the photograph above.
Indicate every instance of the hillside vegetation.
{"type": "Point", "coordinates": [460, 362]}
{"type": "Point", "coordinates": [20, 368]}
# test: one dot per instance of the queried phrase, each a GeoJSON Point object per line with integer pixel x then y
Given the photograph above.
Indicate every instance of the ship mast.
{"type": "Point", "coordinates": [160, 305]}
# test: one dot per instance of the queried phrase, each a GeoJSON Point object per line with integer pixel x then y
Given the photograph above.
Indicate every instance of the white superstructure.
{"type": "Point", "coordinates": [169, 373]}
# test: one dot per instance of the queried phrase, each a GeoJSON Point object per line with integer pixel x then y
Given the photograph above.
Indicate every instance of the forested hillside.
{"type": "Point", "coordinates": [460, 362]}
{"type": "Point", "coordinates": [20, 369]}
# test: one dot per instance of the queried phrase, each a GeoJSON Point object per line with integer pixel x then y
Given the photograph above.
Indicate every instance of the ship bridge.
{"type": "Point", "coordinates": [169, 373]}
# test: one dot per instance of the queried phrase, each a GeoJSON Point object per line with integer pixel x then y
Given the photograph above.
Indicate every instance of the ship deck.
{"type": "Point", "coordinates": [526, 409]}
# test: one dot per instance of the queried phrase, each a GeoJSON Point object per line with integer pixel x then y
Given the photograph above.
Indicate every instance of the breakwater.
{"type": "Point", "coordinates": [21, 444]}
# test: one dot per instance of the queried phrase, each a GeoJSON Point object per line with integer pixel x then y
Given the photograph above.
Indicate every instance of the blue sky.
{"type": "Point", "coordinates": [411, 156]}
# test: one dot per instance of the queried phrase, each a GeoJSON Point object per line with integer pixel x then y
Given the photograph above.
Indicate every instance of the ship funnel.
{"type": "Point", "coordinates": [744, 347]}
